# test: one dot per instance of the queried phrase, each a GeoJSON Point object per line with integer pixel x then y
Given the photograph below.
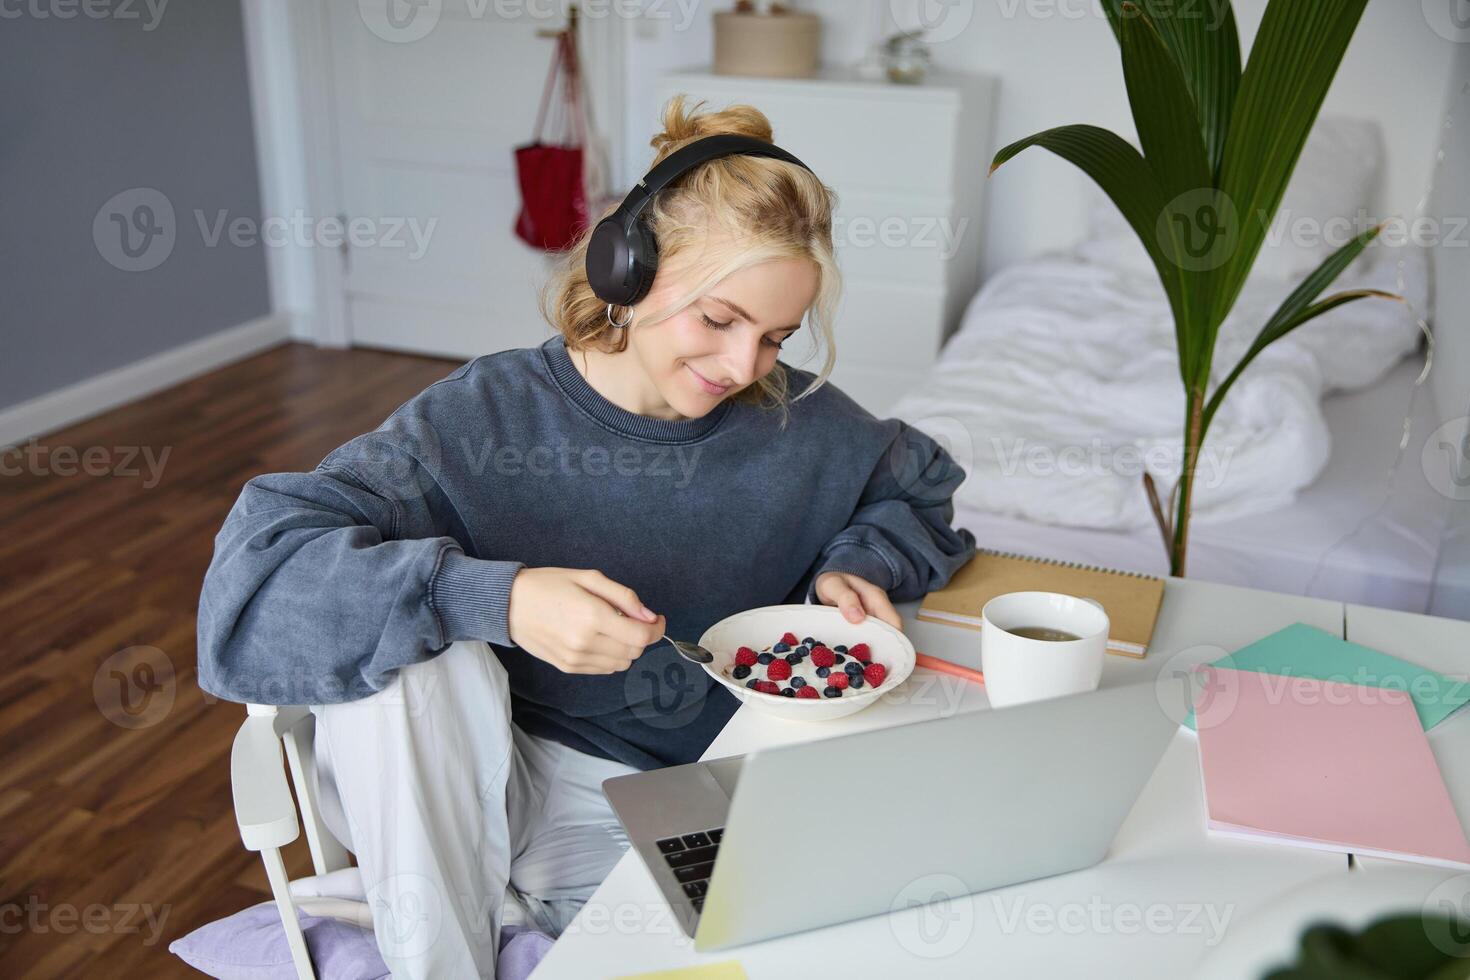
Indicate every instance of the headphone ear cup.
{"type": "Point", "coordinates": [645, 260]}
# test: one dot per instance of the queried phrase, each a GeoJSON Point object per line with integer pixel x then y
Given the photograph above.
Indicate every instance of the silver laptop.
{"type": "Point", "coordinates": [990, 797]}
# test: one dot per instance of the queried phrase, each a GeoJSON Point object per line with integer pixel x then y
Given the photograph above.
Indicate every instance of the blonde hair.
{"type": "Point", "coordinates": [725, 215]}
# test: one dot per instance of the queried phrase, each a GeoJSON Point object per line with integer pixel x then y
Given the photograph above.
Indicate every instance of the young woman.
{"type": "Point", "coordinates": [473, 597]}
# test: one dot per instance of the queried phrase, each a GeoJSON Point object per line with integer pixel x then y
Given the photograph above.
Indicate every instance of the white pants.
{"type": "Point", "coordinates": [461, 822]}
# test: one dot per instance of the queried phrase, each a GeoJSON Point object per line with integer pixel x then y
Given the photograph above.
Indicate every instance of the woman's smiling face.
{"type": "Point", "coordinates": [727, 339]}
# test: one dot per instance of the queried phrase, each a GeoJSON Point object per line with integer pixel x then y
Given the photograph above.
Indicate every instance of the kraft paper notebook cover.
{"type": "Point", "coordinates": [1300, 650]}
{"type": "Point", "coordinates": [1327, 765]}
{"type": "Point", "coordinates": [1130, 599]}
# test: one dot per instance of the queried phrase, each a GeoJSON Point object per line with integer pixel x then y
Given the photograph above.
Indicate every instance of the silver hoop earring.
{"type": "Point", "coordinates": [613, 323]}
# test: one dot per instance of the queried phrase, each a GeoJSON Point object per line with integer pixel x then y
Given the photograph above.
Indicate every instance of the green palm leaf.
{"type": "Point", "coordinates": [1204, 42]}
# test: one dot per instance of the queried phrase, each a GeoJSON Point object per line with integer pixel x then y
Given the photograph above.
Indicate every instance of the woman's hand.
{"type": "Point", "coordinates": [857, 597]}
{"type": "Point", "coordinates": [579, 620]}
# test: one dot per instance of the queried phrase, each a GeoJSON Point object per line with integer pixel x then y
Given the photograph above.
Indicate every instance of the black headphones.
{"type": "Point", "coordinates": [622, 254]}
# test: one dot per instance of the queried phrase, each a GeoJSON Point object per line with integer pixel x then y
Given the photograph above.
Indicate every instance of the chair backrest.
{"type": "Point", "coordinates": [266, 813]}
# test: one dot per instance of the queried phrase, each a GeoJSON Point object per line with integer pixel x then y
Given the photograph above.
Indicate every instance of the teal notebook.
{"type": "Point", "coordinates": [1305, 651]}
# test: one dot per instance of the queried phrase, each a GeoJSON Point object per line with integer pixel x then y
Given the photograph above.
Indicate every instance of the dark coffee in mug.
{"type": "Point", "coordinates": [1043, 633]}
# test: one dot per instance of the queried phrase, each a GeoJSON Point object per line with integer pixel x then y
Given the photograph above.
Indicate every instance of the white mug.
{"type": "Point", "coordinates": [1020, 669]}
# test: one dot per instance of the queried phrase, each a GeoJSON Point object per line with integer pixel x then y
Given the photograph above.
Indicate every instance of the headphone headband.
{"type": "Point", "coordinates": [700, 151]}
{"type": "Point", "coordinates": [622, 254]}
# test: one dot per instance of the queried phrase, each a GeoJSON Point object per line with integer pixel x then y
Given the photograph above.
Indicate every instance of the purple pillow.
{"type": "Point", "coordinates": [251, 945]}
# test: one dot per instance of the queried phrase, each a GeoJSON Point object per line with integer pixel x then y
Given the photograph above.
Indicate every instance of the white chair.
{"type": "Point", "coordinates": [265, 811]}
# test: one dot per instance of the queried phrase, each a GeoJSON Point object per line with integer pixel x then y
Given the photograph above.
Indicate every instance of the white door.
{"type": "Point", "coordinates": [429, 99]}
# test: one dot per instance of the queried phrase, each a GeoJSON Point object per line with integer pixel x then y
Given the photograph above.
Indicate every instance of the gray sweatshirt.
{"type": "Point", "coordinates": [408, 538]}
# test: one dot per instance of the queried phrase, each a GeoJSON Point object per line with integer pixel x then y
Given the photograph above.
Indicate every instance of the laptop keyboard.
{"type": "Point", "coordinates": [692, 857]}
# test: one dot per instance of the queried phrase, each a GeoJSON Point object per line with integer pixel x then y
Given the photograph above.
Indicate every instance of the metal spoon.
{"type": "Point", "coordinates": [691, 651]}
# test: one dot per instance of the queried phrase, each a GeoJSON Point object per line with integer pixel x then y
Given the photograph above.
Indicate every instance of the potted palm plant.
{"type": "Point", "coordinates": [1218, 146]}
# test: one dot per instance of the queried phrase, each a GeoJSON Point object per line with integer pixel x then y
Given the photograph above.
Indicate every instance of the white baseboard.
{"type": "Point", "coordinates": [82, 400]}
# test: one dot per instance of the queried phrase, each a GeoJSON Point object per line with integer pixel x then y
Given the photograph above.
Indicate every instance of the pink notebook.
{"type": "Point", "coordinates": [1324, 764]}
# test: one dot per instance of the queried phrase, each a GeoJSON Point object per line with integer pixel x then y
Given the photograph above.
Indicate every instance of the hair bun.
{"type": "Point", "coordinates": [684, 124]}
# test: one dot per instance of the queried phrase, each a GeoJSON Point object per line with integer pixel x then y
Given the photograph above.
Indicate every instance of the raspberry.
{"type": "Point", "coordinates": [767, 687]}
{"type": "Point", "coordinates": [861, 652]}
{"type": "Point", "coordinates": [874, 674]}
{"type": "Point", "coordinates": [778, 670]}
{"type": "Point", "coordinates": [837, 679]}
{"type": "Point", "coordinates": [789, 639]}
{"type": "Point", "coordinates": [807, 692]}
{"type": "Point", "coordinates": [823, 657]}
{"type": "Point", "coordinates": [744, 657]}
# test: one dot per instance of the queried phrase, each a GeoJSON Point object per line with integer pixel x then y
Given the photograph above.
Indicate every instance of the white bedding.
{"type": "Point", "coordinates": [1338, 539]}
{"type": "Point", "coordinates": [1061, 387]}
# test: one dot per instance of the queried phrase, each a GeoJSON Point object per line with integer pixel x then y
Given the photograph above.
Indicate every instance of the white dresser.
{"type": "Point", "coordinates": [908, 164]}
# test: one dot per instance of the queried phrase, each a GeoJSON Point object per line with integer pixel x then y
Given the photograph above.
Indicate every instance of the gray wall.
{"type": "Point", "coordinates": [94, 107]}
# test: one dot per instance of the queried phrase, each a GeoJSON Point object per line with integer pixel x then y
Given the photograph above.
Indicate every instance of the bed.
{"type": "Point", "coordinates": [1073, 353]}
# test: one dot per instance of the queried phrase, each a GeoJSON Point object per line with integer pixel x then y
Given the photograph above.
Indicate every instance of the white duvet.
{"type": "Point", "coordinates": [1061, 388]}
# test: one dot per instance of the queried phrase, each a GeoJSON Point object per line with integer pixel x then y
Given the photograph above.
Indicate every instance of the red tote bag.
{"type": "Point", "coordinates": [551, 176]}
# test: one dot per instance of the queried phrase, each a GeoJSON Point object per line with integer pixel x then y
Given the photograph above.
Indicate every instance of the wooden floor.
{"type": "Point", "coordinates": [114, 800]}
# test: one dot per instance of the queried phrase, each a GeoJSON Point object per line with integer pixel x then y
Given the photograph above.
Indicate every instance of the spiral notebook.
{"type": "Point", "coordinates": [1131, 599]}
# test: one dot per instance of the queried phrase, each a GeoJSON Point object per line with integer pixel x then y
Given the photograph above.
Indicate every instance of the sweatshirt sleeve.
{"type": "Point", "coordinates": [322, 584]}
{"type": "Point", "coordinates": [900, 537]}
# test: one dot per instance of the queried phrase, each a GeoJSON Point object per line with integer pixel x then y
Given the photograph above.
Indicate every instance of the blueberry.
{"type": "Point", "coordinates": [823, 671]}
{"type": "Point", "coordinates": [856, 680]}
{"type": "Point", "coordinates": [787, 692]}
{"type": "Point", "coordinates": [840, 648]}
{"type": "Point", "coordinates": [764, 658]}
{"type": "Point", "coordinates": [751, 683]}
{"type": "Point", "coordinates": [803, 650]}
{"type": "Point", "coordinates": [793, 658]}
{"type": "Point", "coordinates": [741, 672]}
{"type": "Point", "coordinates": [838, 658]}
{"type": "Point", "coordinates": [831, 692]}
{"type": "Point", "coordinates": [809, 641]}
{"type": "Point", "coordinates": [798, 682]}
{"type": "Point", "coordinates": [853, 668]}
{"type": "Point", "coordinates": [780, 648]}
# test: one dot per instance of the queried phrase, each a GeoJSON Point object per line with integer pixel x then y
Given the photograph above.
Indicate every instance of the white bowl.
{"type": "Point", "coordinates": [760, 628]}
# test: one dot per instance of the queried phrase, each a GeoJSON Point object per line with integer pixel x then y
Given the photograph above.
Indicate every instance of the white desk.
{"type": "Point", "coordinates": [1160, 899]}
{"type": "Point", "coordinates": [1439, 644]}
